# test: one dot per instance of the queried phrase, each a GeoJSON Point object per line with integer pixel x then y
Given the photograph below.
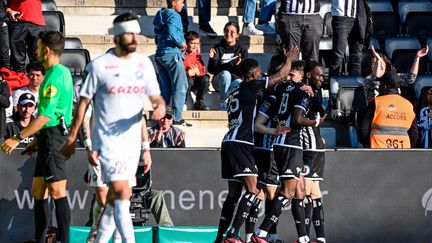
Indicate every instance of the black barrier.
{"type": "Point", "coordinates": [369, 196]}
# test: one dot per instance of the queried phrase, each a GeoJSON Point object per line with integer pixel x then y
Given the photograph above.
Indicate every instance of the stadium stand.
{"type": "Point", "coordinates": [422, 83]}
{"type": "Point", "coordinates": [385, 20]}
{"type": "Point", "coordinates": [416, 17]}
{"type": "Point", "coordinates": [49, 5]}
{"type": "Point", "coordinates": [348, 95]}
{"type": "Point", "coordinates": [402, 51]}
{"type": "Point", "coordinates": [75, 59]}
{"type": "Point", "coordinates": [54, 20]}
{"type": "Point", "coordinates": [73, 43]}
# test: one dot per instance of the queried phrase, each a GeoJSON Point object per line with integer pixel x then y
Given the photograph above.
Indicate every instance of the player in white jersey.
{"type": "Point", "coordinates": [118, 82]}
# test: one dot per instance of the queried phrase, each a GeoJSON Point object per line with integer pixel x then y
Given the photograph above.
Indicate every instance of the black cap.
{"type": "Point", "coordinates": [391, 80]}
{"type": "Point", "coordinates": [169, 114]}
{"type": "Point", "coordinates": [26, 98]}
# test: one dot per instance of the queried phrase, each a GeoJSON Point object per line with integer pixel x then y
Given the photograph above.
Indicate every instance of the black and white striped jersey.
{"type": "Point", "coordinates": [312, 140]}
{"type": "Point", "coordinates": [242, 110]}
{"type": "Point", "coordinates": [269, 109]}
{"type": "Point", "coordinates": [300, 7]}
{"type": "Point", "coordinates": [344, 8]}
{"type": "Point", "coordinates": [289, 97]}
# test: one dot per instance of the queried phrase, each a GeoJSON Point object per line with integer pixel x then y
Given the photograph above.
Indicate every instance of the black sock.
{"type": "Point", "coordinates": [246, 203]}
{"type": "Point", "coordinates": [318, 218]}
{"type": "Point", "coordinates": [63, 219]}
{"type": "Point", "coordinates": [226, 217]}
{"type": "Point", "coordinates": [273, 217]}
{"type": "Point", "coordinates": [298, 213]}
{"type": "Point", "coordinates": [308, 213]}
{"type": "Point", "coordinates": [268, 208]}
{"type": "Point", "coordinates": [41, 214]}
{"type": "Point", "coordinates": [253, 218]}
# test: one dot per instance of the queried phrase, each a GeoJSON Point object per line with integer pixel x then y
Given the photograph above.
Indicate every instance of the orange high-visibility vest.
{"type": "Point", "coordinates": [392, 120]}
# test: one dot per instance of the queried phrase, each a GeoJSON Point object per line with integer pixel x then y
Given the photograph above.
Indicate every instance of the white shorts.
{"type": "Point", "coordinates": [95, 178]}
{"type": "Point", "coordinates": [119, 166]}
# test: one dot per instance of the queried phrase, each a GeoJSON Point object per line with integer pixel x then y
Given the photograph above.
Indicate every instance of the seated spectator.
{"type": "Point", "coordinates": [224, 61]}
{"type": "Point", "coordinates": [198, 78]}
{"type": "Point", "coordinates": [164, 135]}
{"type": "Point", "coordinates": [21, 118]}
{"type": "Point", "coordinates": [425, 120]}
{"type": "Point", "coordinates": [35, 73]}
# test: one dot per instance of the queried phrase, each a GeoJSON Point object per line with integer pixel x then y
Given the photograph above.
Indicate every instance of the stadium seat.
{"type": "Point", "coordinates": [49, 5]}
{"type": "Point", "coordinates": [422, 82]}
{"type": "Point", "coordinates": [75, 59]}
{"type": "Point", "coordinates": [402, 51]}
{"type": "Point", "coordinates": [407, 6]}
{"type": "Point", "coordinates": [73, 43]}
{"type": "Point", "coordinates": [329, 135]}
{"type": "Point", "coordinates": [385, 20]}
{"type": "Point", "coordinates": [54, 20]}
{"type": "Point", "coordinates": [416, 17]}
{"type": "Point", "coordinates": [325, 51]}
{"type": "Point", "coordinates": [347, 94]}
{"type": "Point", "coordinates": [77, 82]}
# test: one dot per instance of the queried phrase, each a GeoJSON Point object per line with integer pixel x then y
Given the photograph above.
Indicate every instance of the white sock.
{"type": "Point", "coordinates": [106, 225]}
{"type": "Point", "coordinates": [123, 220]}
{"type": "Point", "coordinates": [304, 239]}
{"type": "Point", "coordinates": [261, 233]}
{"type": "Point", "coordinates": [248, 237]}
{"type": "Point", "coordinates": [117, 237]}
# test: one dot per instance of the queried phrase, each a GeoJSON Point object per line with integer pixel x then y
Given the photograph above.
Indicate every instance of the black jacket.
{"type": "Point", "coordinates": [4, 103]}
{"type": "Point", "coordinates": [216, 65]}
{"type": "Point", "coordinates": [3, 16]}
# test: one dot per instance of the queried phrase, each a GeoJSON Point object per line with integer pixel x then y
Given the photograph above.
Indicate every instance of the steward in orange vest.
{"type": "Point", "coordinates": [393, 117]}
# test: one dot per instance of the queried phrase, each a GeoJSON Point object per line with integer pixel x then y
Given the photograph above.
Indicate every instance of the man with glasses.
{"type": "Point", "coordinates": [164, 135]}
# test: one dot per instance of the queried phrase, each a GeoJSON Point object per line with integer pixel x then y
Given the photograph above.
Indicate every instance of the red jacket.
{"type": "Point", "coordinates": [31, 10]}
{"type": "Point", "coordinates": [194, 58]}
{"type": "Point", "coordinates": [15, 80]}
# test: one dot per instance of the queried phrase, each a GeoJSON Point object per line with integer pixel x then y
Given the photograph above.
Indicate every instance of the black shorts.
{"type": "Point", "coordinates": [313, 165]}
{"type": "Point", "coordinates": [237, 161]}
{"type": "Point", "coordinates": [267, 170]}
{"type": "Point", "coordinates": [289, 162]}
{"type": "Point", "coordinates": [50, 163]}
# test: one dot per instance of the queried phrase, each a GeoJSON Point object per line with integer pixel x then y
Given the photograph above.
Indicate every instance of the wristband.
{"type": "Point", "coordinates": [87, 143]}
{"type": "Point", "coordinates": [317, 120]}
{"type": "Point", "coordinates": [145, 145]}
{"type": "Point", "coordinates": [18, 135]}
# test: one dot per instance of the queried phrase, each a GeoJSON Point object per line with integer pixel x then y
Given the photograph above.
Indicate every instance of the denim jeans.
{"type": "Point", "coordinates": [4, 46]}
{"type": "Point", "coordinates": [204, 13]}
{"type": "Point", "coordinates": [223, 83]}
{"type": "Point", "coordinates": [249, 11]}
{"type": "Point", "coordinates": [267, 10]}
{"type": "Point", "coordinates": [173, 81]}
{"type": "Point", "coordinates": [345, 32]}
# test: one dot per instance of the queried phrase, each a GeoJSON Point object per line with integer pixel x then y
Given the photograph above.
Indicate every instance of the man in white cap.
{"type": "Point", "coordinates": [118, 83]}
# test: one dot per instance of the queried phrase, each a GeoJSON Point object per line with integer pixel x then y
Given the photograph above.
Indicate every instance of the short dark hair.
{"type": "Point", "coordinates": [247, 66]}
{"type": "Point", "coordinates": [127, 16]}
{"type": "Point", "coordinates": [232, 24]}
{"type": "Point", "coordinates": [298, 65]}
{"type": "Point", "coordinates": [170, 2]}
{"type": "Point", "coordinates": [35, 66]}
{"type": "Point", "coordinates": [311, 66]}
{"type": "Point", "coordinates": [191, 35]}
{"type": "Point", "coordinates": [54, 40]}
{"type": "Point", "coordinates": [276, 62]}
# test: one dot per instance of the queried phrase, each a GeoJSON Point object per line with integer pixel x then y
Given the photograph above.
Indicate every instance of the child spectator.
{"type": "Point", "coordinates": [198, 79]}
{"type": "Point", "coordinates": [224, 61]}
{"type": "Point", "coordinates": [425, 120]}
{"type": "Point", "coordinates": [169, 57]}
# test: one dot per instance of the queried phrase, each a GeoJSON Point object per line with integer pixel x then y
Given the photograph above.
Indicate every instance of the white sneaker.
{"type": "Point", "coordinates": [250, 29]}
{"type": "Point", "coordinates": [266, 28]}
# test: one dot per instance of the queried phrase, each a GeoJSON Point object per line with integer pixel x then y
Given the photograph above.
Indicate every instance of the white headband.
{"type": "Point", "coordinates": [131, 26]}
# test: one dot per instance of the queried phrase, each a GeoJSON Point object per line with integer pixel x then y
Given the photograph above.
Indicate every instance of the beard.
{"type": "Point", "coordinates": [127, 47]}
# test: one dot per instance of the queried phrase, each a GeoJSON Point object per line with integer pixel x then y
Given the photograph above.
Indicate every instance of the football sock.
{"type": "Point", "coordinates": [62, 210]}
{"type": "Point", "coordinates": [123, 220]}
{"type": "Point", "coordinates": [298, 213]}
{"type": "Point", "coordinates": [252, 219]}
{"type": "Point", "coordinates": [268, 208]}
{"type": "Point", "coordinates": [106, 225]}
{"type": "Point", "coordinates": [272, 218]}
{"type": "Point", "coordinates": [226, 217]}
{"type": "Point", "coordinates": [318, 218]}
{"type": "Point", "coordinates": [248, 200]}
{"type": "Point", "coordinates": [117, 237]}
{"type": "Point", "coordinates": [308, 213]}
{"type": "Point", "coordinates": [41, 214]}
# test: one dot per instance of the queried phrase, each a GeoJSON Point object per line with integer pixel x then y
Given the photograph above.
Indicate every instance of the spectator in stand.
{"type": "Point", "coordinates": [389, 121]}
{"type": "Point", "coordinates": [21, 118]}
{"type": "Point", "coordinates": [26, 22]}
{"type": "Point", "coordinates": [4, 36]}
{"type": "Point", "coordinates": [204, 15]}
{"type": "Point", "coordinates": [351, 26]}
{"type": "Point", "coordinates": [300, 24]}
{"type": "Point", "coordinates": [224, 62]}
{"type": "Point", "coordinates": [35, 73]}
{"type": "Point", "coordinates": [164, 135]}
{"type": "Point", "coordinates": [171, 45]}
{"type": "Point", "coordinates": [198, 78]}
{"type": "Point", "coordinates": [425, 120]}
{"type": "Point", "coordinates": [4, 103]}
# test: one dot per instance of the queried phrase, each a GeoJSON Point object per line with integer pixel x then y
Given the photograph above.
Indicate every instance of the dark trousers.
{"type": "Point", "coordinates": [204, 13]}
{"type": "Point", "coordinates": [200, 85]}
{"type": "Point", "coordinates": [304, 31]}
{"type": "Point", "coordinates": [4, 46]}
{"type": "Point", "coordinates": [23, 40]}
{"type": "Point", "coordinates": [346, 32]}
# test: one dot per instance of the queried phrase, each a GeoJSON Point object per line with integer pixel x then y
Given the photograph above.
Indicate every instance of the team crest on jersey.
{"type": "Point", "coordinates": [50, 91]}
{"type": "Point", "coordinates": [306, 170]}
{"type": "Point", "coordinates": [139, 75]}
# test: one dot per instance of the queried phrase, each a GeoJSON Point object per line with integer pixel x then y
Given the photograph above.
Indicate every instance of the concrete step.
{"type": "Point", "coordinates": [109, 7]}
{"type": "Point", "coordinates": [207, 137]}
